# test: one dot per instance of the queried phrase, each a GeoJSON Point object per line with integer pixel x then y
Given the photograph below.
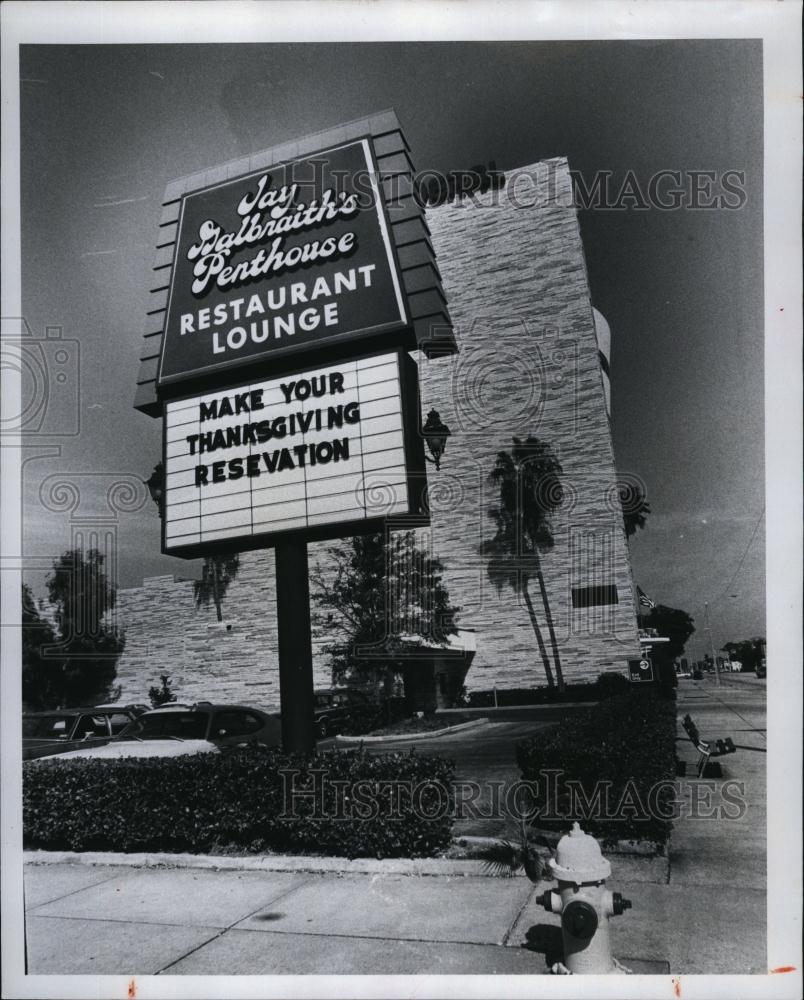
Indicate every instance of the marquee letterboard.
{"type": "Point", "coordinates": [279, 261]}
{"type": "Point", "coordinates": [327, 452]}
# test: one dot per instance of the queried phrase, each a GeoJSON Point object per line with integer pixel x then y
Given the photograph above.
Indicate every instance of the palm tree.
{"type": "Point", "coordinates": [529, 482]}
{"type": "Point", "coordinates": [635, 506]}
{"type": "Point", "coordinates": [216, 575]}
{"type": "Point", "coordinates": [507, 855]}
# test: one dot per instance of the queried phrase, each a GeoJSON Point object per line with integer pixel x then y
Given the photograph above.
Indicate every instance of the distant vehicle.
{"type": "Point", "coordinates": [57, 732]}
{"type": "Point", "coordinates": [176, 730]}
{"type": "Point", "coordinates": [336, 706]}
{"type": "Point", "coordinates": [761, 668]}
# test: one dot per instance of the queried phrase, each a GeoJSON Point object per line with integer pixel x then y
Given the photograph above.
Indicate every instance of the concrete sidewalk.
{"type": "Point", "coordinates": [309, 915]}
{"type": "Point", "coordinates": [105, 919]}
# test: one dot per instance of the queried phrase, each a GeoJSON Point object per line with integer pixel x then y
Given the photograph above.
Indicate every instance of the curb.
{"type": "Point", "coordinates": [462, 861]}
{"type": "Point", "coordinates": [413, 737]}
{"type": "Point", "coordinates": [547, 706]}
{"type": "Point", "coordinates": [469, 846]}
{"type": "Point", "coordinates": [456, 867]}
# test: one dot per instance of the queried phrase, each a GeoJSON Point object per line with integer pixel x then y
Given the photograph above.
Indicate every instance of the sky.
{"type": "Point", "coordinates": [105, 127]}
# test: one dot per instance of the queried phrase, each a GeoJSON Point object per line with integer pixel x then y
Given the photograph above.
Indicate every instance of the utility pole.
{"type": "Point", "coordinates": [708, 630]}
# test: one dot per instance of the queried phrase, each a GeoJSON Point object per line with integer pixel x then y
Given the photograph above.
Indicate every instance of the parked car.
{"type": "Point", "coordinates": [174, 730]}
{"type": "Point", "coordinates": [336, 706]}
{"type": "Point", "coordinates": [56, 732]}
{"type": "Point", "coordinates": [172, 705]}
{"type": "Point", "coordinates": [761, 668]}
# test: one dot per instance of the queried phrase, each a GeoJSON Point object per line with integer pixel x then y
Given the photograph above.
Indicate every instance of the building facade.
{"type": "Point", "coordinates": [533, 361]}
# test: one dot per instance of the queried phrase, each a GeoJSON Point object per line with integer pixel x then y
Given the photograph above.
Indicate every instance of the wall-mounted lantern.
{"type": "Point", "coordinates": [156, 485]}
{"type": "Point", "coordinates": [435, 434]}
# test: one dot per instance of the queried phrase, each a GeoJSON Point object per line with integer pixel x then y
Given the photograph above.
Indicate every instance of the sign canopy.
{"type": "Point", "coordinates": [281, 261]}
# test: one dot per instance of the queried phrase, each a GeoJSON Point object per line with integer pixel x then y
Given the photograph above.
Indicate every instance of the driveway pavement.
{"type": "Point", "coordinates": [485, 756]}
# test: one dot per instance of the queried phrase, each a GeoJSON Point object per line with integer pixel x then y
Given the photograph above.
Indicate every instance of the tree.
{"type": "Point", "coordinates": [635, 506]}
{"type": "Point", "coordinates": [216, 575]}
{"type": "Point", "coordinates": [749, 652]}
{"type": "Point", "coordinates": [528, 479]}
{"type": "Point", "coordinates": [88, 643]}
{"type": "Point", "coordinates": [382, 593]}
{"type": "Point", "coordinates": [676, 625]}
{"type": "Point", "coordinates": [163, 694]}
{"type": "Point", "coordinates": [41, 674]}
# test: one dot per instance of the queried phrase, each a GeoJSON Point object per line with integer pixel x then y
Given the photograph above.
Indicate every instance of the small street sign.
{"type": "Point", "coordinates": [640, 670]}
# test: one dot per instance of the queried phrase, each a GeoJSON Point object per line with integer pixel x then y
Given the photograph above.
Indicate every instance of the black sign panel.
{"type": "Point", "coordinates": [281, 261]}
{"type": "Point", "coordinates": [640, 670]}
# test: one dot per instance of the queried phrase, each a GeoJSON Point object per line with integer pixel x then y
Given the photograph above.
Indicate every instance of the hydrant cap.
{"type": "Point", "coordinates": [578, 858]}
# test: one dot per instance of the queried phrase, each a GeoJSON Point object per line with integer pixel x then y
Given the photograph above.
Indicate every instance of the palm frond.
{"type": "Point", "coordinates": [502, 858]}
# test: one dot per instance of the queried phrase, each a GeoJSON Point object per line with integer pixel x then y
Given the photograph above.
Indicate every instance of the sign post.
{"type": "Point", "coordinates": [295, 647]}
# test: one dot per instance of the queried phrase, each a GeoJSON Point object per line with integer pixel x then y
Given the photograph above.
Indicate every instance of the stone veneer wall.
{"type": "Point", "coordinates": [514, 273]}
{"type": "Point", "coordinates": [515, 277]}
{"type": "Point", "coordinates": [165, 633]}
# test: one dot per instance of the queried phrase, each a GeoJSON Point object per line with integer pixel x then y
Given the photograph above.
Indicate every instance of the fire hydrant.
{"type": "Point", "coordinates": [585, 905]}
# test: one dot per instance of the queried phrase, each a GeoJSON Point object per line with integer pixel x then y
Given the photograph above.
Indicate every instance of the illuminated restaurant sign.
{"type": "Point", "coordinates": [326, 451]}
{"type": "Point", "coordinates": [280, 261]}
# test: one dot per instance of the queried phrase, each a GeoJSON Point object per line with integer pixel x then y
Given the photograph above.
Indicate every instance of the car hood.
{"type": "Point", "coordinates": [142, 748]}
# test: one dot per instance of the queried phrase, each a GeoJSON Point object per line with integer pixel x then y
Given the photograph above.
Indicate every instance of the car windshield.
{"type": "Point", "coordinates": [43, 727]}
{"type": "Point", "coordinates": [161, 725]}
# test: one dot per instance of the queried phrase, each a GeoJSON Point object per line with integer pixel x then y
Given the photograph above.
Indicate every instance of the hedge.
{"type": "Point", "coordinates": [234, 802]}
{"type": "Point", "coordinates": [373, 715]}
{"type": "Point", "coordinates": [627, 741]}
{"type": "Point", "coordinates": [606, 685]}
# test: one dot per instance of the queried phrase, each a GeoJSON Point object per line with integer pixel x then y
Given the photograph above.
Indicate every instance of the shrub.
{"type": "Point", "coordinates": [509, 697]}
{"type": "Point", "coordinates": [606, 685]}
{"type": "Point", "coordinates": [241, 801]}
{"type": "Point", "coordinates": [629, 742]}
{"type": "Point", "coordinates": [163, 694]}
{"type": "Point", "coordinates": [373, 715]}
{"type": "Point", "coordinates": [610, 684]}
{"type": "Point", "coordinates": [362, 719]}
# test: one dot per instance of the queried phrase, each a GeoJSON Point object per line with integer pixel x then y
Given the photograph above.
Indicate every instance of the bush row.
{"type": "Point", "coordinates": [626, 742]}
{"type": "Point", "coordinates": [606, 685]}
{"type": "Point", "coordinates": [344, 804]}
{"type": "Point", "coordinates": [373, 715]}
